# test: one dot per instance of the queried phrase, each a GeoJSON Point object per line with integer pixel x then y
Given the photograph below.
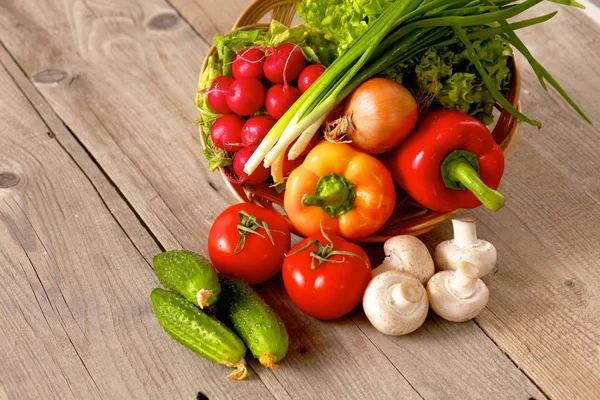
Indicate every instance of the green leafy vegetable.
{"type": "Point", "coordinates": [341, 21]}
{"type": "Point", "coordinates": [404, 30]}
{"type": "Point", "coordinates": [313, 44]}
{"type": "Point", "coordinates": [216, 157]}
{"type": "Point", "coordinates": [447, 76]}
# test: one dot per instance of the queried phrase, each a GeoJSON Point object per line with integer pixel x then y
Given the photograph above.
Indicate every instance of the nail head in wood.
{"type": "Point", "coordinates": [163, 22]}
{"type": "Point", "coordinates": [49, 76]}
{"type": "Point", "coordinates": [8, 180]}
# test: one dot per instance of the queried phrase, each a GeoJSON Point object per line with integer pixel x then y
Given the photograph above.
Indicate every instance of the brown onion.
{"type": "Point", "coordinates": [378, 116]}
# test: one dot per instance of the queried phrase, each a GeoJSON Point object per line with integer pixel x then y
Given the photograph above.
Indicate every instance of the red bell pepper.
{"type": "Point", "coordinates": [449, 162]}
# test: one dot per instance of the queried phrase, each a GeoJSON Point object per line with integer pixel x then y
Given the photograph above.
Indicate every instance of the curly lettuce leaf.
{"type": "Point", "coordinates": [228, 45]}
{"type": "Point", "coordinates": [313, 44]}
{"type": "Point", "coordinates": [341, 21]}
{"type": "Point", "coordinates": [448, 75]}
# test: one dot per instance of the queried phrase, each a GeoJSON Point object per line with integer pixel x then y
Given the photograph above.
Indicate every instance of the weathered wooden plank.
{"type": "Point", "coordinates": [348, 341]}
{"type": "Point", "coordinates": [544, 300]}
{"type": "Point", "coordinates": [209, 17]}
{"type": "Point", "coordinates": [565, 141]}
{"type": "Point", "coordinates": [74, 302]}
{"type": "Point", "coordinates": [150, 147]}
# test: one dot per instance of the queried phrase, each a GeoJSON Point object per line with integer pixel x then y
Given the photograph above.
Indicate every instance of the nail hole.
{"type": "Point", "coordinates": [569, 283]}
{"type": "Point", "coordinates": [8, 180]}
{"type": "Point", "coordinates": [213, 186]}
{"type": "Point", "coordinates": [302, 350]}
{"type": "Point", "coordinates": [48, 76]}
{"type": "Point", "coordinates": [163, 21]}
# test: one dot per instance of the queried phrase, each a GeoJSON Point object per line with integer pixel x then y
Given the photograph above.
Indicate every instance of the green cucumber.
{"type": "Point", "coordinates": [257, 324]}
{"type": "Point", "coordinates": [189, 274]}
{"type": "Point", "coordinates": [199, 332]}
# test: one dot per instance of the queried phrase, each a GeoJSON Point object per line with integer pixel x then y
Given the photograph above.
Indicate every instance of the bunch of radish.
{"type": "Point", "coordinates": [265, 83]}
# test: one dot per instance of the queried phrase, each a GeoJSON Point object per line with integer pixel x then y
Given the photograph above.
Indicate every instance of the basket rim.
{"type": "Point", "coordinates": [264, 196]}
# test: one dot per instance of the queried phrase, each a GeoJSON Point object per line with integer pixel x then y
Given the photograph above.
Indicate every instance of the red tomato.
{"type": "Point", "coordinates": [252, 257]}
{"type": "Point", "coordinates": [332, 289]}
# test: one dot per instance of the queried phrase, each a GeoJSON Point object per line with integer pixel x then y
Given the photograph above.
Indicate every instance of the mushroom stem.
{"type": "Point", "coordinates": [465, 232]}
{"type": "Point", "coordinates": [463, 282]}
{"type": "Point", "coordinates": [404, 297]}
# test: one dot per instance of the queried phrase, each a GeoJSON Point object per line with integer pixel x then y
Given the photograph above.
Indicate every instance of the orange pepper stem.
{"type": "Point", "coordinates": [460, 171]}
{"type": "Point", "coordinates": [334, 194]}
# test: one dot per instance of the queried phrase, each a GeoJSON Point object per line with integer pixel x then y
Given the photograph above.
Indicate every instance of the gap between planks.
{"type": "Point", "coordinates": [111, 195]}
{"type": "Point", "coordinates": [208, 41]}
{"type": "Point", "coordinates": [115, 214]}
{"type": "Point", "coordinates": [89, 167]}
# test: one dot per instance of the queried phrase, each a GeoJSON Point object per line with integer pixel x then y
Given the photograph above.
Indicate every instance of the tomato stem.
{"type": "Point", "coordinates": [322, 253]}
{"type": "Point", "coordinates": [249, 224]}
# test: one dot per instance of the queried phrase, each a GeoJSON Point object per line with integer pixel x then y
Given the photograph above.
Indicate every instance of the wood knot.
{"type": "Point", "coordinates": [163, 22]}
{"type": "Point", "coordinates": [49, 76]}
{"type": "Point", "coordinates": [8, 180]}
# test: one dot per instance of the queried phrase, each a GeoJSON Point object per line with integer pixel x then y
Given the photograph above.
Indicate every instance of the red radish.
{"type": "Point", "coordinates": [279, 99]}
{"type": "Point", "coordinates": [259, 175]}
{"type": "Point", "coordinates": [217, 94]}
{"type": "Point", "coordinates": [287, 57]}
{"type": "Point", "coordinates": [246, 96]}
{"type": "Point", "coordinates": [226, 132]}
{"type": "Point", "coordinates": [309, 75]}
{"type": "Point", "coordinates": [290, 165]}
{"type": "Point", "coordinates": [313, 142]}
{"type": "Point", "coordinates": [378, 116]}
{"type": "Point", "coordinates": [249, 64]}
{"type": "Point", "coordinates": [256, 128]}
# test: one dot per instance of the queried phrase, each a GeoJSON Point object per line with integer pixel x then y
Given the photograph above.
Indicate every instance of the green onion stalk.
{"type": "Point", "coordinates": [405, 29]}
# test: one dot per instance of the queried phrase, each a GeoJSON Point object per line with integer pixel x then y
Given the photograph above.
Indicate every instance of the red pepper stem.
{"type": "Point", "coordinates": [462, 171]}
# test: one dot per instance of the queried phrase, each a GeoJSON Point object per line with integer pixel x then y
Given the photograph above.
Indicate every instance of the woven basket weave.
{"type": "Point", "coordinates": [409, 217]}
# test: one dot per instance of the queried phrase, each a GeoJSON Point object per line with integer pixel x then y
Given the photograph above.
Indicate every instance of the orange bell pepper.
{"type": "Point", "coordinates": [350, 192]}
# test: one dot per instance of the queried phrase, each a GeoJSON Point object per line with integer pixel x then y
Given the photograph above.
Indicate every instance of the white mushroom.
{"type": "Point", "coordinates": [407, 254]}
{"type": "Point", "coordinates": [458, 295]}
{"type": "Point", "coordinates": [395, 303]}
{"type": "Point", "coordinates": [465, 247]}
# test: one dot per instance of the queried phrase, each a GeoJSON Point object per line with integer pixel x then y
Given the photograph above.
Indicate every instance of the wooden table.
{"type": "Point", "coordinates": [101, 168]}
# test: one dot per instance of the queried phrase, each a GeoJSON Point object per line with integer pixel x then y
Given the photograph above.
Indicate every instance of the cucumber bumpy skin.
{"type": "Point", "coordinates": [189, 274]}
{"type": "Point", "coordinates": [257, 324]}
{"type": "Point", "coordinates": [199, 332]}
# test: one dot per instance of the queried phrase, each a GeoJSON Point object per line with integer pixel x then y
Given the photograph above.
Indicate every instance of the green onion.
{"type": "Point", "coordinates": [406, 29]}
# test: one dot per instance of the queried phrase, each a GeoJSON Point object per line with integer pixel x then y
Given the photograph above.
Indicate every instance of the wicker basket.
{"type": "Point", "coordinates": [409, 217]}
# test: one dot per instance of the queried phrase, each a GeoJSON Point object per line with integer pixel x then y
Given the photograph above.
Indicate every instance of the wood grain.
{"type": "Point", "coordinates": [74, 302]}
{"type": "Point", "coordinates": [544, 299]}
{"type": "Point", "coordinates": [78, 97]}
{"type": "Point", "coordinates": [348, 340]}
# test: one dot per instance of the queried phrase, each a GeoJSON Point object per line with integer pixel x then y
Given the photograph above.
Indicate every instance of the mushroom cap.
{"type": "Point", "coordinates": [384, 311]}
{"type": "Point", "coordinates": [448, 306]}
{"type": "Point", "coordinates": [408, 254]}
{"type": "Point", "coordinates": [448, 256]}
